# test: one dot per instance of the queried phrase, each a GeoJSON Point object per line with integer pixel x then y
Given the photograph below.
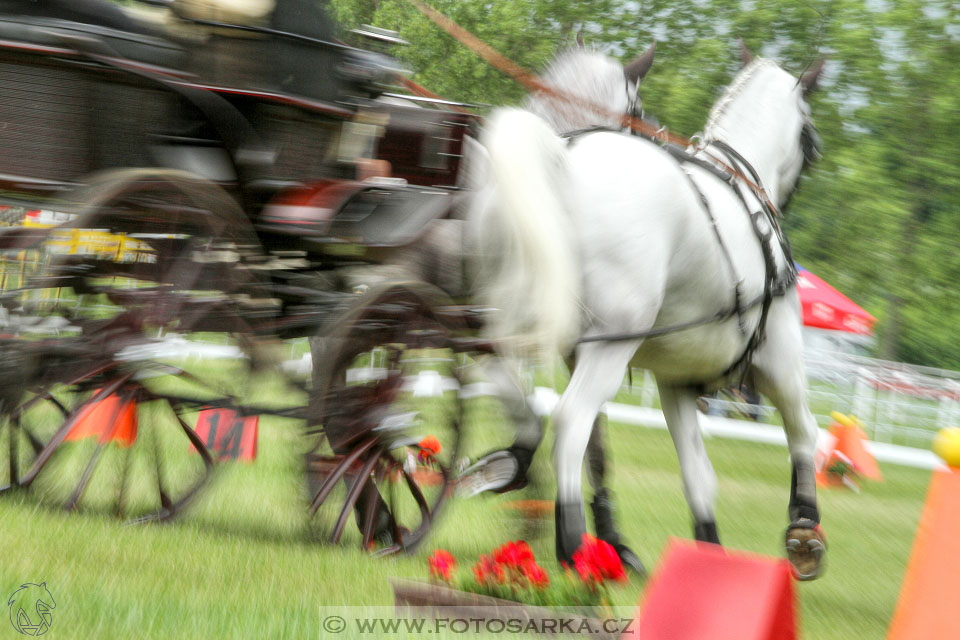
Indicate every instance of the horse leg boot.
{"type": "Point", "coordinates": [699, 479]}
{"type": "Point", "coordinates": [595, 380]}
{"type": "Point", "coordinates": [602, 505]}
{"type": "Point", "coordinates": [505, 470]}
{"type": "Point", "coordinates": [779, 374]}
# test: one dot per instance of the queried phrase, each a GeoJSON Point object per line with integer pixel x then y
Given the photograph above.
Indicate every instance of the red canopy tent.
{"type": "Point", "coordinates": [826, 308]}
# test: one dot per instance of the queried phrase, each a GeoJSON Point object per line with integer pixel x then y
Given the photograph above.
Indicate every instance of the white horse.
{"type": "Point", "coordinates": [593, 90]}
{"type": "Point", "coordinates": [612, 235]}
{"type": "Point", "coordinates": [599, 90]}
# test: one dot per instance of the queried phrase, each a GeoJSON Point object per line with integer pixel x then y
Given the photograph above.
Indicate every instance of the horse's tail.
{"type": "Point", "coordinates": [532, 272]}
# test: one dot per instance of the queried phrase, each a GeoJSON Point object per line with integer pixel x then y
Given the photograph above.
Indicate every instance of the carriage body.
{"type": "Point", "coordinates": [264, 112]}
{"type": "Point", "coordinates": [223, 167]}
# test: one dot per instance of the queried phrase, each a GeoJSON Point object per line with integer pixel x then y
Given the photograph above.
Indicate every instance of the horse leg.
{"type": "Point", "coordinates": [779, 374]}
{"type": "Point", "coordinates": [602, 505]}
{"type": "Point", "coordinates": [504, 470]}
{"type": "Point", "coordinates": [595, 380]}
{"type": "Point", "coordinates": [679, 405]}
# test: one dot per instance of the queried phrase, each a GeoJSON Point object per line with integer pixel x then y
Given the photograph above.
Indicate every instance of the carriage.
{"type": "Point", "coordinates": [199, 175]}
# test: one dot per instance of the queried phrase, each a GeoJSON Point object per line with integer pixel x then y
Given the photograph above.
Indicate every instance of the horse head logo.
{"type": "Point", "coordinates": [30, 607]}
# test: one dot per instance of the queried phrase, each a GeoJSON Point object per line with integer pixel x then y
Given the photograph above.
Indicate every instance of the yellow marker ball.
{"type": "Point", "coordinates": [947, 445]}
{"type": "Point", "coordinates": [841, 419]}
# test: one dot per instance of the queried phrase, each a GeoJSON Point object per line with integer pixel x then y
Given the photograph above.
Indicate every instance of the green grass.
{"type": "Point", "coordinates": [245, 562]}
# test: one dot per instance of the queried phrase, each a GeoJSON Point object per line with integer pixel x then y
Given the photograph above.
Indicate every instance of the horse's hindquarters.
{"type": "Point", "coordinates": [652, 258]}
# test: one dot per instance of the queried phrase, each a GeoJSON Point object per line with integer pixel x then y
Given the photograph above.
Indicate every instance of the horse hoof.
{"type": "Point", "coordinates": [496, 472]}
{"type": "Point", "coordinates": [630, 560]}
{"type": "Point", "coordinates": [499, 471]}
{"type": "Point", "coordinates": [806, 547]}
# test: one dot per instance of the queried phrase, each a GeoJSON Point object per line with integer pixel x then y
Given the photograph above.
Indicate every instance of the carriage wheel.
{"type": "Point", "coordinates": [108, 418]}
{"type": "Point", "coordinates": [149, 251]}
{"type": "Point", "coordinates": [391, 416]}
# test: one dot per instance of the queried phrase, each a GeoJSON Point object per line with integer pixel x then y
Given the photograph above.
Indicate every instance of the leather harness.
{"type": "Point", "coordinates": [775, 284]}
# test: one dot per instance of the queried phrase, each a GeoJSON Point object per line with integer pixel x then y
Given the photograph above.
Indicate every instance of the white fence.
{"type": "Point", "coordinates": [898, 403]}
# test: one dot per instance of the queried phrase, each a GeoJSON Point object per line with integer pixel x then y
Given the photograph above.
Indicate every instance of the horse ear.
{"type": "Point", "coordinates": [745, 56]}
{"type": "Point", "coordinates": [636, 70]}
{"type": "Point", "coordinates": [809, 79]}
{"type": "Point", "coordinates": [580, 39]}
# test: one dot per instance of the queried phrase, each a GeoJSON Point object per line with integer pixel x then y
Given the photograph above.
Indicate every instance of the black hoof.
{"type": "Point", "coordinates": [630, 560]}
{"type": "Point", "coordinates": [571, 524]}
{"type": "Point", "coordinates": [606, 530]}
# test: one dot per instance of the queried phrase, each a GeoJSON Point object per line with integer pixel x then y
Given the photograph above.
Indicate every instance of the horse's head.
{"type": "Point", "coordinates": [590, 78]}
{"type": "Point", "coordinates": [764, 115]}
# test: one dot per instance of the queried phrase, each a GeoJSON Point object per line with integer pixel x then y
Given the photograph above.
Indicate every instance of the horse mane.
{"type": "Point", "coordinates": [586, 74]}
{"type": "Point", "coordinates": [733, 90]}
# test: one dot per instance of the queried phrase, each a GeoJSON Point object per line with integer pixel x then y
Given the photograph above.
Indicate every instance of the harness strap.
{"type": "Point", "coordinates": [738, 281]}
{"type": "Point", "coordinates": [769, 260]}
{"type": "Point", "coordinates": [773, 214]}
{"type": "Point", "coordinates": [652, 333]}
{"type": "Point", "coordinates": [572, 136]}
{"type": "Point", "coordinates": [772, 285]}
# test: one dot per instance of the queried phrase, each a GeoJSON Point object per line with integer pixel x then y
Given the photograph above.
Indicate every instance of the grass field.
{"type": "Point", "coordinates": [246, 563]}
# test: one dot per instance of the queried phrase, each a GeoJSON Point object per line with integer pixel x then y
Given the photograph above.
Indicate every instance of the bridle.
{"type": "Point", "coordinates": [634, 103]}
{"type": "Point", "coordinates": [810, 142]}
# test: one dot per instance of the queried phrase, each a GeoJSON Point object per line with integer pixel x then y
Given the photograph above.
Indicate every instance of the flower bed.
{"type": "Point", "coordinates": [509, 585]}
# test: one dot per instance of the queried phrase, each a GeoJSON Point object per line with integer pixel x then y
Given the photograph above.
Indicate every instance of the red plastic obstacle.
{"type": "Point", "coordinates": [705, 591]}
{"type": "Point", "coordinates": [227, 435]}
{"type": "Point", "coordinates": [113, 418]}
{"type": "Point", "coordinates": [927, 607]}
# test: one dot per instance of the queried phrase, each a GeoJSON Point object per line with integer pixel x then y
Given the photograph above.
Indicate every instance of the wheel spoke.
{"type": "Point", "coordinates": [68, 424]}
{"type": "Point", "coordinates": [362, 479]}
{"type": "Point", "coordinates": [337, 473]}
{"type": "Point", "coordinates": [385, 336]}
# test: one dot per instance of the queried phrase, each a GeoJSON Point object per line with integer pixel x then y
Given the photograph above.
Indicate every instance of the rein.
{"type": "Point", "coordinates": [534, 83]}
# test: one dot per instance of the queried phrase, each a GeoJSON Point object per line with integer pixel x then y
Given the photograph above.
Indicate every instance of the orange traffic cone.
{"type": "Point", "coordinates": [705, 591]}
{"type": "Point", "coordinates": [113, 418]}
{"type": "Point", "coordinates": [835, 470]}
{"type": "Point", "coordinates": [846, 457]}
{"type": "Point", "coordinates": [927, 607]}
{"type": "Point", "coordinates": [851, 440]}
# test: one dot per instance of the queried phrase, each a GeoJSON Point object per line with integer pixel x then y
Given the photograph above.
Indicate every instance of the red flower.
{"type": "Point", "coordinates": [441, 564]}
{"type": "Point", "coordinates": [488, 571]}
{"type": "Point", "coordinates": [429, 448]}
{"type": "Point", "coordinates": [536, 575]}
{"type": "Point", "coordinates": [596, 561]}
{"type": "Point", "coordinates": [514, 555]}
